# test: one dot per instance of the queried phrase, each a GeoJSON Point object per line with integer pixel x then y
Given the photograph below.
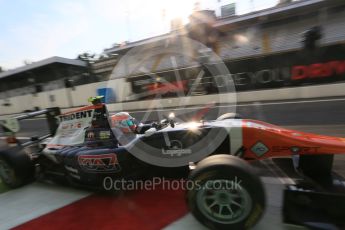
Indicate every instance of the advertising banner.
{"type": "Point", "coordinates": [293, 68]}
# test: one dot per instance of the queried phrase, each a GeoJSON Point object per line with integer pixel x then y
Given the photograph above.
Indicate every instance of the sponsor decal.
{"type": "Point", "coordinates": [259, 149]}
{"type": "Point", "coordinates": [99, 163]}
{"type": "Point", "coordinates": [176, 152]}
{"type": "Point", "coordinates": [104, 135]}
{"type": "Point", "coordinates": [318, 70]}
{"type": "Point", "coordinates": [71, 130]}
{"type": "Point", "coordinates": [91, 135]}
{"type": "Point", "coordinates": [176, 149]}
{"type": "Point", "coordinates": [77, 115]}
{"type": "Point", "coordinates": [72, 172]}
{"type": "Point", "coordinates": [296, 149]}
{"type": "Point", "coordinates": [71, 125]}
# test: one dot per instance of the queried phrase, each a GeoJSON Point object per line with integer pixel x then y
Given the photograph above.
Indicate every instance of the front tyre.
{"type": "Point", "coordinates": [227, 193]}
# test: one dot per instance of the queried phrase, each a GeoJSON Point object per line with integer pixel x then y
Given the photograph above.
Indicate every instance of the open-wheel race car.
{"type": "Point", "coordinates": [87, 145]}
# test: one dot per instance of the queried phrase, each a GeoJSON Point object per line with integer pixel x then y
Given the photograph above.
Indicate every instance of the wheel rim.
{"type": "Point", "coordinates": [6, 172]}
{"type": "Point", "coordinates": [223, 202]}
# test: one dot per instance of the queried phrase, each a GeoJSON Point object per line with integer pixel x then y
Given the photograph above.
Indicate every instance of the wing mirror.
{"type": "Point", "coordinates": [150, 132]}
{"type": "Point", "coordinates": [171, 120]}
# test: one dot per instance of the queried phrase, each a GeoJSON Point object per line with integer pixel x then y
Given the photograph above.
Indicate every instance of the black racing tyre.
{"type": "Point", "coordinates": [226, 193]}
{"type": "Point", "coordinates": [229, 116]}
{"type": "Point", "coordinates": [16, 167]}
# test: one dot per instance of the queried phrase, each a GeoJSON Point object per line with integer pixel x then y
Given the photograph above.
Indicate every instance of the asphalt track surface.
{"type": "Point", "coordinates": [323, 116]}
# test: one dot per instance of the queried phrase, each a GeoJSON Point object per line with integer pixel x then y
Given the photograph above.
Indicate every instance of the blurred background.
{"type": "Point", "coordinates": [286, 58]}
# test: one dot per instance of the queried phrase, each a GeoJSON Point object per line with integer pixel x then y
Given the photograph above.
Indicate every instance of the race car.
{"type": "Point", "coordinates": [88, 144]}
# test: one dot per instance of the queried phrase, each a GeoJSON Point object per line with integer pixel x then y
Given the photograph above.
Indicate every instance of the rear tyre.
{"type": "Point", "coordinates": [227, 194]}
{"type": "Point", "coordinates": [8, 175]}
{"type": "Point", "coordinates": [16, 167]}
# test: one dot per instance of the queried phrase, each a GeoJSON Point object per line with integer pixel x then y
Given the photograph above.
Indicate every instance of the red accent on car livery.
{"type": "Point", "coordinates": [262, 140]}
{"type": "Point", "coordinates": [99, 163]}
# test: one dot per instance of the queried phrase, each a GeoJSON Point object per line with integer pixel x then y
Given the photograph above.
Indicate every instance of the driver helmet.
{"type": "Point", "coordinates": [124, 122]}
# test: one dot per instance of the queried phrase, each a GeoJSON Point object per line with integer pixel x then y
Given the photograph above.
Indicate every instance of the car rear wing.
{"type": "Point", "coordinates": [11, 125]}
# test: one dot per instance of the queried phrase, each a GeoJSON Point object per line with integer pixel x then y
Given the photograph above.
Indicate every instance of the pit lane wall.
{"type": "Point", "coordinates": [63, 98]}
{"type": "Point", "coordinates": [306, 92]}
{"type": "Point", "coordinates": [296, 74]}
{"type": "Point", "coordinates": [79, 97]}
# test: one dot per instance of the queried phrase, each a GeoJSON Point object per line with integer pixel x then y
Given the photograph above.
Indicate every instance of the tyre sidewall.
{"type": "Point", "coordinates": [248, 181]}
{"type": "Point", "coordinates": [15, 181]}
{"type": "Point", "coordinates": [20, 163]}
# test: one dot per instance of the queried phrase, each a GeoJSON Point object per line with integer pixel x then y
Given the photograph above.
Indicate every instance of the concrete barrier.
{"type": "Point", "coordinates": [279, 94]}
{"type": "Point", "coordinates": [81, 93]}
